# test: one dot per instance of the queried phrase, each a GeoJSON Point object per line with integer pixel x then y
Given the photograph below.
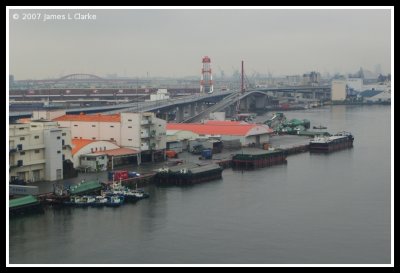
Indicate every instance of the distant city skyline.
{"type": "Point", "coordinates": [171, 43]}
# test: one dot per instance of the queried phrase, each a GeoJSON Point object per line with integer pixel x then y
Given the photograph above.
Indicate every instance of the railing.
{"type": "Point", "coordinates": [145, 122]}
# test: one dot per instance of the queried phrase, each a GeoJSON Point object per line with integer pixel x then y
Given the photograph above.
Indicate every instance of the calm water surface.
{"type": "Point", "coordinates": [316, 209]}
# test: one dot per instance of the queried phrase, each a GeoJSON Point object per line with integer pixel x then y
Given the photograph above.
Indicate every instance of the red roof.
{"type": "Point", "coordinates": [90, 118]}
{"type": "Point", "coordinates": [24, 120]}
{"type": "Point", "coordinates": [219, 128]}
{"type": "Point", "coordinates": [118, 151]}
{"type": "Point", "coordinates": [224, 122]}
{"type": "Point", "coordinates": [79, 144]}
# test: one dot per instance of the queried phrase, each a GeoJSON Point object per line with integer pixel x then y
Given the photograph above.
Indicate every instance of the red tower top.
{"type": "Point", "coordinates": [206, 59]}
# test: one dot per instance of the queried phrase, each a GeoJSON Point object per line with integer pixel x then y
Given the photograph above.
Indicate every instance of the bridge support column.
{"type": "Point", "coordinates": [261, 102]}
{"type": "Point", "coordinates": [192, 109]}
{"type": "Point", "coordinates": [230, 110]}
{"type": "Point", "coordinates": [202, 107]}
{"type": "Point", "coordinates": [179, 113]}
{"type": "Point", "coordinates": [165, 116]}
{"type": "Point", "coordinates": [245, 104]}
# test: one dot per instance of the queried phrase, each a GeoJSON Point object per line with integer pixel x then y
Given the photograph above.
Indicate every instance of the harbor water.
{"type": "Point", "coordinates": [316, 209]}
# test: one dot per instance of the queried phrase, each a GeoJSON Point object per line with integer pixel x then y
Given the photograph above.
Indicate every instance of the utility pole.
{"type": "Point", "coordinates": [242, 89]}
{"type": "Point", "coordinates": [137, 98]}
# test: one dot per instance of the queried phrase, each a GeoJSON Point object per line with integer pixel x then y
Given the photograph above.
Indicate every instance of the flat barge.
{"type": "Point", "coordinates": [187, 174]}
{"type": "Point", "coordinates": [85, 187]}
{"type": "Point", "coordinates": [26, 204]}
{"type": "Point", "coordinates": [251, 158]}
{"type": "Point", "coordinates": [340, 141]}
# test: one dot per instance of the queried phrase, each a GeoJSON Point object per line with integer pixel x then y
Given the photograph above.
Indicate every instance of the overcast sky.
{"type": "Point", "coordinates": [171, 43]}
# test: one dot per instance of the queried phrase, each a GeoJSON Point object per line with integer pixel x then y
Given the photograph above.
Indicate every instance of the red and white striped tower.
{"type": "Point", "coordinates": [206, 83]}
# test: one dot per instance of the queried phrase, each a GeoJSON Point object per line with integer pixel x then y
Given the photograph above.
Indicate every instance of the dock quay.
{"type": "Point", "coordinates": [313, 133]}
{"type": "Point", "coordinates": [188, 174]}
{"type": "Point", "coordinates": [295, 149]}
{"type": "Point", "coordinates": [257, 158]}
{"type": "Point", "coordinates": [139, 181]}
{"type": "Point", "coordinates": [224, 163]}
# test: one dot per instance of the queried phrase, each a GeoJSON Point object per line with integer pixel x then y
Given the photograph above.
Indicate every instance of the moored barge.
{"type": "Point", "coordinates": [85, 187]}
{"type": "Point", "coordinates": [251, 158]}
{"type": "Point", "coordinates": [324, 144]}
{"type": "Point", "coordinates": [188, 174]}
{"type": "Point", "coordinates": [25, 204]}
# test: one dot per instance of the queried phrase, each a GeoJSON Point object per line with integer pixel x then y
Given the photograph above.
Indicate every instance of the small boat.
{"type": "Point", "coordinates": [320, 127]}
{"type": "Point", "coordinates": [101, 201]}
{"type": "Point", "coordinates": [126, 193]}
{"type": "Point", "coordinates": [81, 201]}
{"type": "Point", "coordinates": [140, 194]}
{"type": "Point", "coordinates": [95, 201]}
{"type": "Point", "coordinates": [114, 201]}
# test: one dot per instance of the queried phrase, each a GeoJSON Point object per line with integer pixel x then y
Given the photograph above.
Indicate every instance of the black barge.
{"type": "Point", "coordinates": [188, 174]}
{"type": "Point", "coordinates": [323, 144]}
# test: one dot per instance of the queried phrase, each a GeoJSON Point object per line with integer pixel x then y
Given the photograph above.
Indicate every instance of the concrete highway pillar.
{"type": "Point", "coordinates": [192, 109]}
{"type": "Point", "coordinates": [179, 114]}
{"type": "Point", "coordinates": [261, 102]}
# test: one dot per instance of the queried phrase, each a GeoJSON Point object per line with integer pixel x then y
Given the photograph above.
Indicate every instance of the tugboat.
{"type": "Point", "coordinates": [114, 201]}
{"type": "Point", "coordinates": [126, 193]}
{"type": "Point", "coordinates": [140, 194]}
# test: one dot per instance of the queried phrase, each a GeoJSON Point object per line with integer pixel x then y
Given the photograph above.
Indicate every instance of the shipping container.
{"type": "Point", "coordinates": [206, 154]}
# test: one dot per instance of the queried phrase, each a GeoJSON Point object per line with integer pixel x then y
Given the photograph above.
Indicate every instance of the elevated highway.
{"type": "Point", "coordinates": [198, 106]}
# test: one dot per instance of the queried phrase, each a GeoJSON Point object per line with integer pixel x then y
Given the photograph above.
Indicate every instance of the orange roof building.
{"type": "Point", "coordinates": [90, 118]}
{"type": "Point", "coordinates": [247, 133]}
{"type": "Point", "coordinates": [87, 146]}
{"type": "Point", "coordinates": [78, 144]}
{"type": "Point", "coordinates": [100, 152]}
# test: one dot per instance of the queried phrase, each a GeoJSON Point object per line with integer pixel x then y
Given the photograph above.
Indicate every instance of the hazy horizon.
{"type": "Point", "coordinates": [171, 43]}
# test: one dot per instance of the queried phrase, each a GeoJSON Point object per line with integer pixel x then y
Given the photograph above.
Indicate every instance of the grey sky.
{"type": "Point", "coordinates": [172, 42]}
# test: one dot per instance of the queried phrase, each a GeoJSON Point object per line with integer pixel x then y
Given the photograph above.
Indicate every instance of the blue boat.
{"type": "Point", "coordinates": [114, 201]}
